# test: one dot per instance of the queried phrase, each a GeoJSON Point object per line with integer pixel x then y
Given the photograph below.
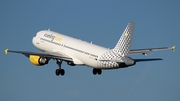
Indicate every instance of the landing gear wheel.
{"type": "Point", "coordinates": [57, 72]}
{"type": "Point", "coordinates": [94, 71]}
{"type": "Point", "coordinates": [60, 71]}
{"type": "Point", "coordinates": [97, 71]}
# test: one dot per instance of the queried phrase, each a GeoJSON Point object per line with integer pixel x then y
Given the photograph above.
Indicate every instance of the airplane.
{"type": "Point", "coordinates": [76, 52]}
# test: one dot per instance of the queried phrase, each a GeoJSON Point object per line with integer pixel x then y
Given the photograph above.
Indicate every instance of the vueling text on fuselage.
{"type": "Point", "coordinates": [52, 37]}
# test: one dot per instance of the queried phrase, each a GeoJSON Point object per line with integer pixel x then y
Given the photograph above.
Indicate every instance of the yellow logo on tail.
{"type": "Point", "coordinates": [126, 34]}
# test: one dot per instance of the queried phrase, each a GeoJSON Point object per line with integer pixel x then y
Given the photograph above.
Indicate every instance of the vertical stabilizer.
{"type": "Point", "coordinates": [124, 43]}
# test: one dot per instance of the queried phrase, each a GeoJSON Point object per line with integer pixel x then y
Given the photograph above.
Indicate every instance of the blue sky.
{"type": "Point", "coordinates": [100, 21]}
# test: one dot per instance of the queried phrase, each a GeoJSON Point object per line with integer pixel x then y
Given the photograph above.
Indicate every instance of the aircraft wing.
{"type": "Point", "coordinates": [145, 51]}
{"type": "Point", "coordinates": [53, 55]}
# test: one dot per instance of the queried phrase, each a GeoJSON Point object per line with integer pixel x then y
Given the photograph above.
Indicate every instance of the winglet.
{"type": "Point", "coordinates": [173, 48]}
{"type": "Point", "coordinates": [6, 51]}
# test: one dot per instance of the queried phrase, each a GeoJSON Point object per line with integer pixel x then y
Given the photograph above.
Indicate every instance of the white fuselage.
{"type": "Point", "coordinates": [82, 52]}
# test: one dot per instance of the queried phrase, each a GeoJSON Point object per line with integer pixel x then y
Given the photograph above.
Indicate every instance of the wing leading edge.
{"type": "Point", "coordinates": [54, 55]}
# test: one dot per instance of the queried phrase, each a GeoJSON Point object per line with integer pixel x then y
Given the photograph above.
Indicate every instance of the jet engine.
{"type": "Point", "coordinates": [37, 60]}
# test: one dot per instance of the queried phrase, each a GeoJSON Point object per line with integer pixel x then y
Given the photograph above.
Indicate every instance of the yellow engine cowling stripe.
{"type": "Point", "coordinates": [34, 59]}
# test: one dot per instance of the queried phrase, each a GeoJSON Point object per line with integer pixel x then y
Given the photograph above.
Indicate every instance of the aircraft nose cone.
{"type": "Point", "coordinates": [33, 40]}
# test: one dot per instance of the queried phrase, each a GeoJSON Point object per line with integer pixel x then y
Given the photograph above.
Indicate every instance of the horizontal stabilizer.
{"type": "Point", "coordinates": [142, 60]}
{"type": "Point", "coordinates": [147, 50]}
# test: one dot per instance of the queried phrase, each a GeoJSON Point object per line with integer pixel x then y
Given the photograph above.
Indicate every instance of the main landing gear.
{"type": "Point", "coordinates": [59, 71]}
{"type": "Point", "coordinates": [62, 72]}
{"type": "Point", "coordinates": [97, 71]}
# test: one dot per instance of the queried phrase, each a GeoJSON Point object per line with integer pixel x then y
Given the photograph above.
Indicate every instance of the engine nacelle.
{"type": "Point", "coordinates": [37, 60]}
